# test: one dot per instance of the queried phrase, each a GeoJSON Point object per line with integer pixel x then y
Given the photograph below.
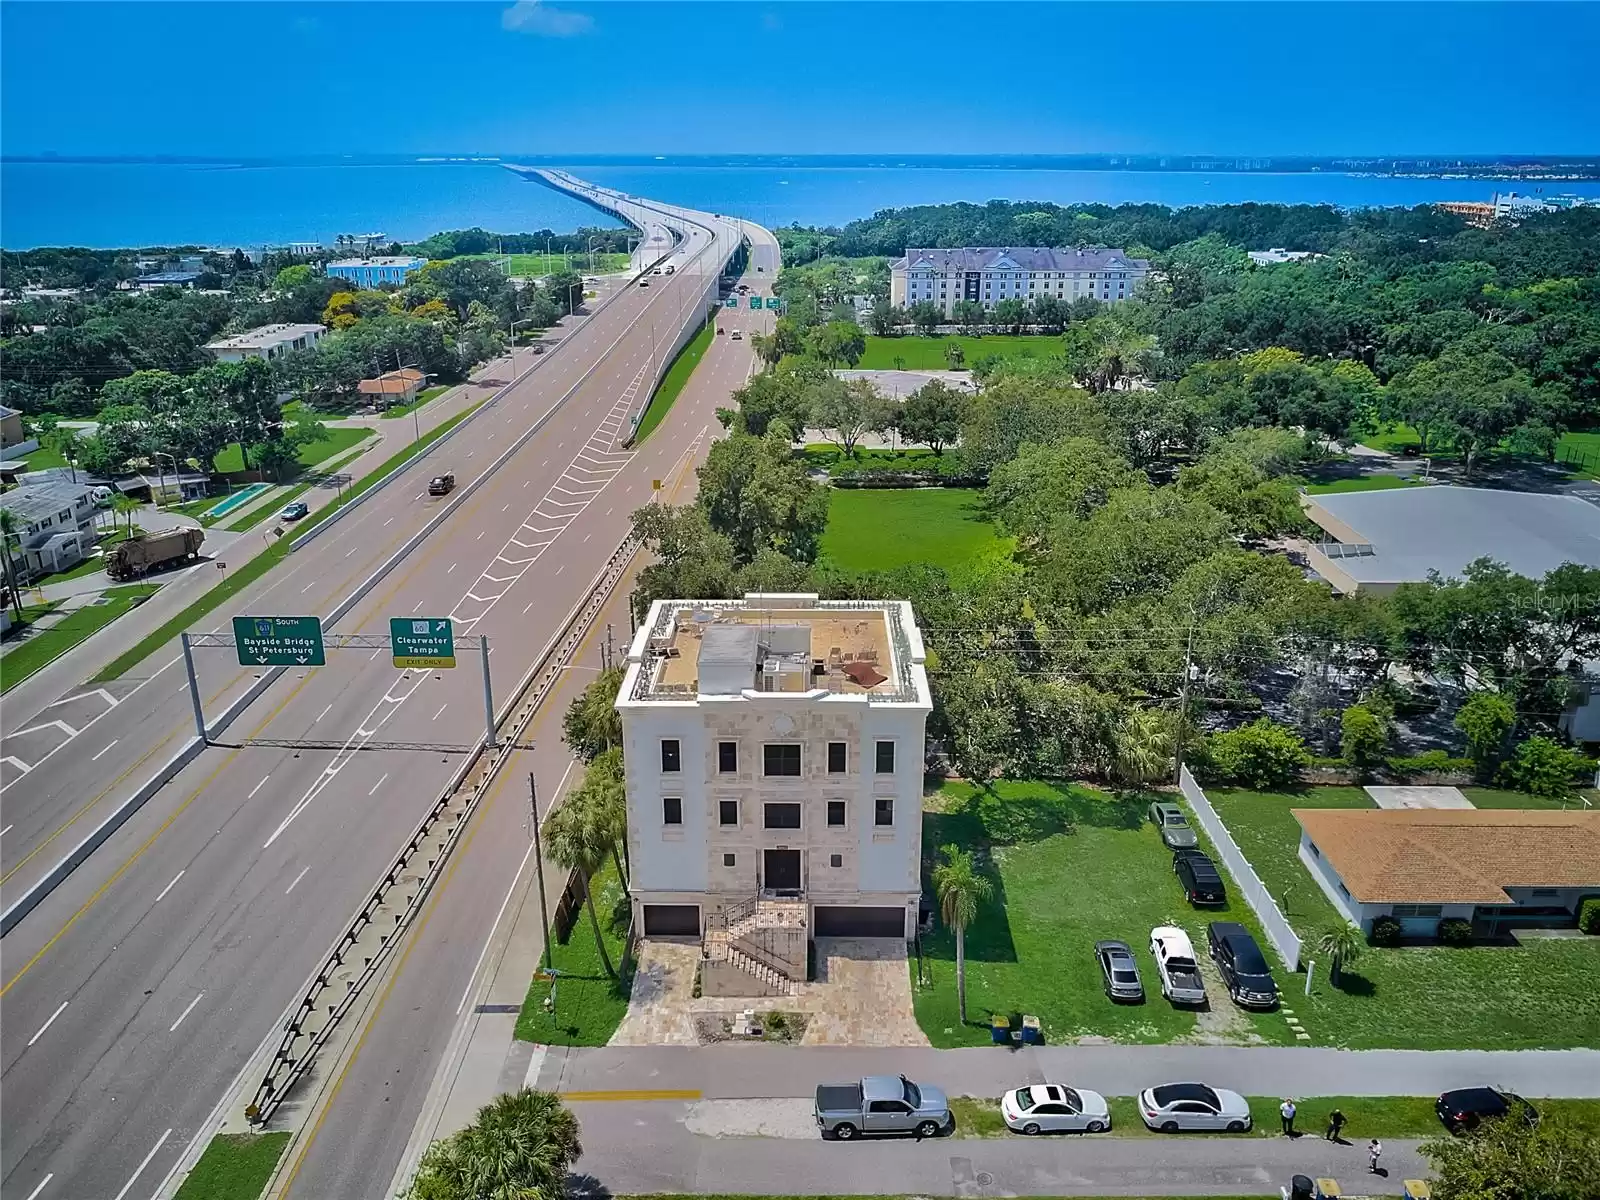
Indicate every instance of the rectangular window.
{"type": "Point", "coordinates": [671, 755]}
{"type": "Point", "coordinates": [835, 812]}
{"type": "Point", "coordinates": [728, 860]}
{"type": "Point", "coordinates": [781, 758]}
{"type": "Point", "coordinates": [782, 816]}
{"type": "Point", "coordinates": [836, 860]}
{"type": "Point", "coordinates": [672, 810]}
{"type": "Point", "coordinates": [728, 812]}
{"type": "Point", "coordinates": [885, 764]}
{"type": "Point", "coordinates": [836, 758]}
{"type": "Point", "coordinates": [883, 810]}
{"type": "Point", "coordinates": [727, 757]}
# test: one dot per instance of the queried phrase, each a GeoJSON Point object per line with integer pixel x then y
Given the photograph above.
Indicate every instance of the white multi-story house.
{"type": "Point", "coordinates": [989, 275]}
{"type": "Point", "coordinates": [774, 762]}
{"type": "Point", "coordinates": [266, 341]}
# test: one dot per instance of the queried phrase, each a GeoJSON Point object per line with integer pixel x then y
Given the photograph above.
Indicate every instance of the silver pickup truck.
{"type": "Point", "coordinates": [882, 1104]}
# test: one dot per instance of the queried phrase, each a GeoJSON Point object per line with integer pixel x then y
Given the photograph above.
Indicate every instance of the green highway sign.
{"type": "Point", "coordinates": [422, 641]}
{"type": "Point", "coordinates": [279, 641]}
{"type": "Point", "coordinates": [731, 302]}
{"type": "Point", "coordinates": [773, 302]}
{"type": "Point", "coordinates": [755, 301]}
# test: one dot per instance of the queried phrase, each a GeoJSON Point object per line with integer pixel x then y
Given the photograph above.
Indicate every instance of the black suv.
{"type": "Point", "coordinates": [1202, 883]}
{"type": "Point", "coordinates": [1463, 1109]}
{"type": "Point", "coordinates": [1243, 968]}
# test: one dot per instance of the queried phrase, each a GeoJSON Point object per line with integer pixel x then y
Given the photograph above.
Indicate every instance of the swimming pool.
{"type": "Point", "coordinates": [243, 496]}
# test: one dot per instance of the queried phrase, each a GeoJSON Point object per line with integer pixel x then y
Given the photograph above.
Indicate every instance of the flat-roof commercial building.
{"type": "Point", "coordinates": [266, 341]}
{"type": "Point", "coordinates": [989, 274]}
{"type": "Point", "coordinates": [1375, 541]}
{"type": "Point", "coordinates": [371, 272]}
{"type": "Point", "coordinates": [773, 749]}
{"type": "Point", "coordinates": [1492, 867]}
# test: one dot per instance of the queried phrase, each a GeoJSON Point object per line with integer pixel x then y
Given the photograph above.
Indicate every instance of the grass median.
{"type": "Point", "coordinates": [262, 512]}
{"type": "Point", "coordinates": [673, 382]}
{"type": "Point", "coordinates": [235, 1166]}
{"type": "Point", "coordinates": [50, 644]}
{"type": "Point", "coordinates": [589, 1004]}
{"type": "Point", "coordinates": [267, 559]}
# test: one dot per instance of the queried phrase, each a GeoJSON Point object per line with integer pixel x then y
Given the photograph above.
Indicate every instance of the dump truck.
{"type": "Point", "coordinates": [150, 552]}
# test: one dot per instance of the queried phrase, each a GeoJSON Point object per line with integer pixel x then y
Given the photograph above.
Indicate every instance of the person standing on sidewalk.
{"type": "Point", "coordinates": [1374, 1151]}
{"type": "Point", "coordinates": [1286, 1112]}
{"type": "Point", "coordinates": [1335, 1124]}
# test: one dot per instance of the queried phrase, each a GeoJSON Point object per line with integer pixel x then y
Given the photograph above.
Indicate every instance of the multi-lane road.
{"type": "Point", "coordinates": [139, 988]}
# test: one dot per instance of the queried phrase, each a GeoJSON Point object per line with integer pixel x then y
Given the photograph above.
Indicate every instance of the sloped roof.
{"type": "Point", "coordinates": [1454, 856]}
{"type": "Point", "coordinates": [391, 383]}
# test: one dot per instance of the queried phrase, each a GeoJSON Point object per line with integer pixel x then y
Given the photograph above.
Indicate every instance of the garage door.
{"type": "Point", "coordinates": [861, 922]}
{"type": "Point", "coordinates": [672, 920]}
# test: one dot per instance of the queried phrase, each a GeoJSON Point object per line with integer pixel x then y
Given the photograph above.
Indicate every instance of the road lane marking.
{"type": "Point", "coordinates": [170, 886]}
{"type": "Point", "coordinates": [109, 744]}
{"type": "Point", "coordinates": [479, 538]}
{"type": "Point", "coordinates": [378, 785]}
{"type": "Point", "coordinates": [185, 1013]}
{"type": "Point", "coordinates": [390, 521]}
{"type": "Point", "coordinates": [376, 652]}
{"type": "Point", "coordinates": [628, 1096]}
{"type": "Point", "coordinates": [297, 879]}
{"type": "Point", "coordinates": [453, 566]}
{"type": "Point", "coordinates": [309, 586]}
{"type": "Point", "coordinates": [154, 1150]}
{"type": "Point", "coordinates": [259, 786]}
{"type": "Point", "coordinates": [48, 1023]}
{"type": "Point", "coordinates": [8, 828]}
{"type": "Point", "coordinates": [34, 1195]}
{"type": "Point", "coordinates": [524, 613]}
{"type": "Point", "coordinates": [418, 607]}
{"type": "Point", "coordinates": [442, 707]}
{"type": "Point", "coordinates": [324, 712]}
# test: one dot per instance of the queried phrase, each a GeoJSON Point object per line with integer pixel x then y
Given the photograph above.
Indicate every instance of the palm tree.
{"type": "Point", "coordinates": [125, 504]}
{"type": "Point", "coordinates": [9, 527]}
{"type": "Point", "coordinates": [1342, 945]}
{"type": "Point", "coordinates": [577, 838]}
{"type": "Point", "coordinates": [1143, 747]}
{"type": "Point", "coordinates": [604, 795]}
{"type": "Point", "coordinates": [592, 723]}
{"type": "Point", "coordinates": [960, 890]}
{"type": "Point", "coordinates": [520, 1146]}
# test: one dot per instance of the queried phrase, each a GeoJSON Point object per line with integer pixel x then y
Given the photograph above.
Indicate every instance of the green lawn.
{"type": "Point", "coordinates": [1539, 996]}
{"type": "Point", "coordinates": [1500, 798]}
{"type": "Point", "coordinates": [50, 644]}
{"type": "Point", "coordinates": [874, 529]}
{"type": "Point", "coordinates": [1365, 483]}
{"type": "Point", "coordinates": [268, 558]}
{"type": "Point", "coordinates": [912, 352]}
{"type": "Point", "coordinates": [235, 1166]}
{"type": "Point", "coordinates": [540, 264]}
{"type": "Point", "coordinates": [1070, 866]}
{"type": "Point", "coordinates": [395, 411]}
{"type": "Point", "coordinates": [339, 439]}
{"type": "Point", "coordinates": [589, 1003]}
{"type": "Point", "coordinates": [672, 383]}
{"type": "Point", "coordinates": [43, 458]}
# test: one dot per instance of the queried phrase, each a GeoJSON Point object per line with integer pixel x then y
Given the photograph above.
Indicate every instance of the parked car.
{"type": "Point", "coordinates": [1202, 882]}
{"type": "Point", "coordinates": [293, 512]}
{"type": "Point", "coordinates": [882, 1104]}
{"type": "Point", "coordinates": [441, 485]}
{"type": "Point", "coordinates": [1054, 1108]}
{"type": "Point", "coordinates": [1463, 1109]}
{"type": "Point", "coordinates": [1119, 970]}
{"type": "Point", "coordinates": [1175, 964]}
{"type": "Point", "coordinates": [1174, 1107]}
{"type": "Point", "coordinates": [1243, 968]}
{"type": "Point", "coordinates": [1176, 832]}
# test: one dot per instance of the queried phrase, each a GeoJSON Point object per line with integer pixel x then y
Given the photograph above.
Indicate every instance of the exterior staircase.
{"type": "Point", "coordinates": [764, 942]}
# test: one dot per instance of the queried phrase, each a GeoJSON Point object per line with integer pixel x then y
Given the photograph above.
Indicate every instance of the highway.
{"type": "Point", "coordinates": [137, 990]}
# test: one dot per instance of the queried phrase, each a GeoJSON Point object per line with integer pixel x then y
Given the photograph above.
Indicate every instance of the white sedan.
{"type": "Point", "coordinates": [1193, 1106]}
{"type": "Point", "coordinates": [1052, 1108]}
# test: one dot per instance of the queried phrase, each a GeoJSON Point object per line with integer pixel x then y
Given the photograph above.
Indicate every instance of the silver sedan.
{"type": "Point", "coordinates": [1193, 1106]}
{"type": "Point", "coordinates": [1052, 1108]}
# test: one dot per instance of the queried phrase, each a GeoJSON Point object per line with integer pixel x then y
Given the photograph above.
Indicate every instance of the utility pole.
{"type": "Point", "coordinates": [538, 864]}
{"type": "Point", "coordinates": [1183, 701]}
{"type": "Point", "coordinates": [611, 653]}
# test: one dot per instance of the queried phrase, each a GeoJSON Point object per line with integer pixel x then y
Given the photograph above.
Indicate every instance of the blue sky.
{"type": "Point", "coordinates": [746, 76]}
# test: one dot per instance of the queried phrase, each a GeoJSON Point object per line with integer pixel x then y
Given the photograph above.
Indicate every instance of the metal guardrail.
{"type": "Point", "coordinates": [361, 950]}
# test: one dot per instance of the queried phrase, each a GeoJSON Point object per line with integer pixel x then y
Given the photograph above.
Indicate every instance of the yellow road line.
{"type": "Point", "coordinates": [150, 841]}
{"type": "Point", "coordinates": [626, 1096]}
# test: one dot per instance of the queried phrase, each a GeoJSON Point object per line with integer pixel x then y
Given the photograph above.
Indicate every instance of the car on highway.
{"type": "Point", "coordinates": [1464, 1109]}
{"type": "Point", "coordinates": [882, 1104]}
{"type": "Point", "coordinates": [644, 283]}
{"type": "Point", "coordinates": [1180, 1107]}
{"type": "Point", "coordinates": [1242, 966]}
{"type": "Point", "coordinates": [1054, 1108]}
{"type": "Point", "coordinates": [441, 485]}
{"type": "Point", "coordinates": [1202, 882]}
{"type": "Point", "coordinates": [735, 336]}
{"type": "Point", "coordinates": [657, 271]}
{"type": "Point", "coordinates": [1176, 832]}
{"type": "Point", "coordinates": [1119, 971]}
{"type": "Point", "coordinates": [293, 512]}
{"type": "Point", "coordinates": [1176, 966]}
{"type": "Point", "coordinates": [670, 268]}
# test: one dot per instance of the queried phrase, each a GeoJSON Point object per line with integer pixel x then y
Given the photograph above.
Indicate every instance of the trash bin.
{"type": "Point", "coordinates": [1000, 1031]}
{"type": "Point", "coordinates": [1418, 1189]}
{"type": "Point", "coordinates": [1032, 1035]}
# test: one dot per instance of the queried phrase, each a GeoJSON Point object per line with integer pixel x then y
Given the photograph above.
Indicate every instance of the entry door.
{"type": "Point", "coordinates": [782, 871]}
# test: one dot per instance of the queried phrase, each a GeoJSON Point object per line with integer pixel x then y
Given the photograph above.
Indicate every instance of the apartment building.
{"type": "Point", "coordinates": [989, 275]}
{"type": "Point", "coordinates": [774, 761]}
{"type": "Point", "coordinates": [371, 272]}
{"type": "Point", "coordinates": [266, 341]}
